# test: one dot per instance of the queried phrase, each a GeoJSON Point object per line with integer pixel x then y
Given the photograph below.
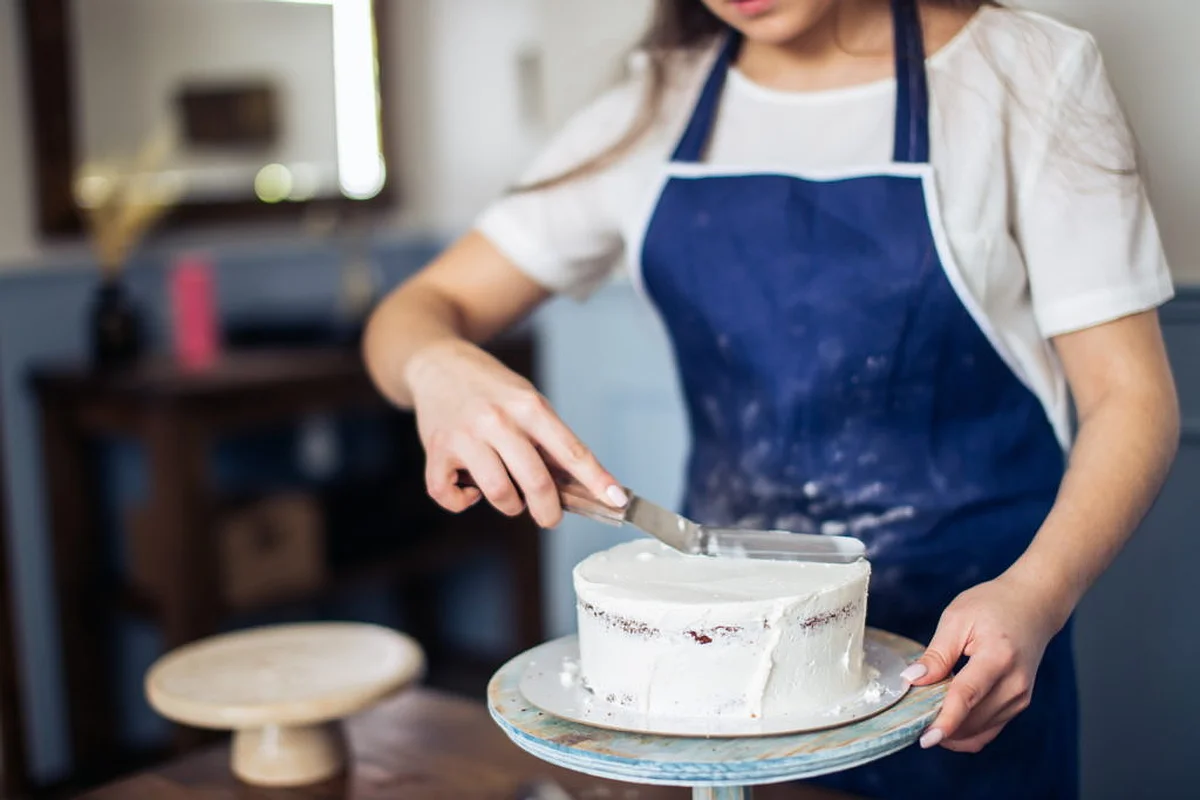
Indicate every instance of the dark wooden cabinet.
{"type": "Point", "coordinates": [177, 416]}
{"type": "Point", "coordinates": [14, 767]}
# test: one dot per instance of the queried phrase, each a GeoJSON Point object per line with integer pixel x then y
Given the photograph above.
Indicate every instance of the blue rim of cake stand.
{"type": "Point", "coordinates": [698, 761]}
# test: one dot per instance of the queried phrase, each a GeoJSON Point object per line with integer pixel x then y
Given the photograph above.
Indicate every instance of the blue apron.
{"type": "Point", "coordinates": [840, 379]}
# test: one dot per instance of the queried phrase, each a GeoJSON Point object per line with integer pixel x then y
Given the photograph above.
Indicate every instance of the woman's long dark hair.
{"type": "Point", "coordinates": [677, 26]}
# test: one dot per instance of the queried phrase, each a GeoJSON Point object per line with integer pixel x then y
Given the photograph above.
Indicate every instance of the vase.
{"type": "Point", "coordinates": [116, 327]}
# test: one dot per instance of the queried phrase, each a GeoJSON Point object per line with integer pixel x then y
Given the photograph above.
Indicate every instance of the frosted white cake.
{"type": "Point", "coordinates": [692, 636]}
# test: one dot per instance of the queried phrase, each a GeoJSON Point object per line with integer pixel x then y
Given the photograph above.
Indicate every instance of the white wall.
{"type": "Point", "coordinates": [1150, 51]}
{"type": "Point", "coordinates": [132, 56]}
{"type": "Point", "coordinates": [460, 137]}
{"type": "Point", "coordinates": [478, 143]}
{"type": "Point", "coordinates": [16, 212]}
{"type": "Point", "coordinates": [584, 44]}
{"type": "Point", "coordinates": [453, 102]}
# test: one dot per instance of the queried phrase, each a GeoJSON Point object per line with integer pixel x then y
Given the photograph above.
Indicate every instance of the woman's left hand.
{"type": "Point", "coordinates": [1003, 627]}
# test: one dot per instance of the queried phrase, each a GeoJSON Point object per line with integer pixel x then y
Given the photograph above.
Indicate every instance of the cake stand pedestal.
{"type": "Point", "coordinates": [714, 768]}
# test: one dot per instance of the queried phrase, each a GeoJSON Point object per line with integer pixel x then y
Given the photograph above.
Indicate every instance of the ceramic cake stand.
{"type": "Point", "coordinates": [715, 768]}
{"type": "Point", "coordinates": [283, 690]}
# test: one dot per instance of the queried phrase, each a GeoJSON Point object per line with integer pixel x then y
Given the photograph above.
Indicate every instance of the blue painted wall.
{"type": "Point", "coordinates": [43, 311]}
{"type": "Point", "coordinates": [1138, 634]}
{"type": "Point", "coordinates": [607, 367]}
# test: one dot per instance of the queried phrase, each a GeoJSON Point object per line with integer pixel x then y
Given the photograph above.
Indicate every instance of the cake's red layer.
{"type": "Point", "coordinates": [708, 635]}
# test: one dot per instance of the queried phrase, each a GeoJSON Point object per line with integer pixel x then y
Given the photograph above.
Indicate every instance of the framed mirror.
{"type": "Point", "coordinates": [250, 110]}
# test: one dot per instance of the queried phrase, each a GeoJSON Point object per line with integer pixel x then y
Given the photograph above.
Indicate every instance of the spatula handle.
{"type": "Point", "coordinates": [571, 494]}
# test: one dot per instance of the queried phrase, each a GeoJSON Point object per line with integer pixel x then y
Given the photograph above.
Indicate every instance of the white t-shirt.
{"type": "Point", "coordinates": [1025, 131]}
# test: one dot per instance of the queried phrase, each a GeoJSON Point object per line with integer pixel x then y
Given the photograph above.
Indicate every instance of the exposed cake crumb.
{"type": "Point", "coordinates": [829, 616]}
{"type": "Point", "coordinates": [707, 635]}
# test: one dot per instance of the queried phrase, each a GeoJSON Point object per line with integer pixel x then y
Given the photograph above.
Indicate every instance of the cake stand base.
{"type": "Point", "coordinates": [281, 755]}
{"type": "Point", "coordinates": [715, 769]}
{"type": "Point", "coordinates": [722, 793]}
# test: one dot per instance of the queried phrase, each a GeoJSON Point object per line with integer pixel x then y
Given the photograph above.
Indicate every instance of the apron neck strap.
{"type": "Point", "coordinates": [912, 93]}
{"type": "Point", "coordinates": [912, 88]}
{"type": "Point", "coordinates": [695, 137]}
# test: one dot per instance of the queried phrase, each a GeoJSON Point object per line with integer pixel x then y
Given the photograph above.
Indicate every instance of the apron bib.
{"type": "Point", "coordinates": [840, 379]}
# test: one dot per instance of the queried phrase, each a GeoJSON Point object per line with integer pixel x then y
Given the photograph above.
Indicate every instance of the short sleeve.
{"type": "Point", "coordinates": [1083, 219]}
{"type": "Point", "coordinates": [568, 237]}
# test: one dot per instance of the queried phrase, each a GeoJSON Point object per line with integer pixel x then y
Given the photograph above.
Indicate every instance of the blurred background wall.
{"type": "Point", "coordinates": [475, 87]}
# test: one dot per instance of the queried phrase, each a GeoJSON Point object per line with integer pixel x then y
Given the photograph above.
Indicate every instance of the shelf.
{"type": "Point", "coordinates": [444, 550]}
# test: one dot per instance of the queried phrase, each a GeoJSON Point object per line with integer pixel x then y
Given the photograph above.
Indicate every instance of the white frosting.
{"type": "Point", "coordinates": [694, 636]}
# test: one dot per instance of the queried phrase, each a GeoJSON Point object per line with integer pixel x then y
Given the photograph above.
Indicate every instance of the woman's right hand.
{"type": "Point", "coordinates": [475, 414]}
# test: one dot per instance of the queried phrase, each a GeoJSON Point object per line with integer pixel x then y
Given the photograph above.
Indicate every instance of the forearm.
{"type": "Point", "coordinates": [406, 323]}
{"type": "Point", "coordinates": [1124, 448]}
{"type": "Point", "coordinates": [467, 295]}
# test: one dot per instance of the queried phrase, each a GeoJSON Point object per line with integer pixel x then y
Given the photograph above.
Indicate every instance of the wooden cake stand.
{"type": "Point", "coordinates": [283, 691]}
{"type": "Point", "coordinates": [715, 768]}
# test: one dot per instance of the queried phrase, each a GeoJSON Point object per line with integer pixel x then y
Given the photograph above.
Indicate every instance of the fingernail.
{"type": "Point", "coordinates": [914, 672]}
{"type": "Point", "coordinates": [617, 495]}
{"type": "Point", "coordinates": [931, 738]}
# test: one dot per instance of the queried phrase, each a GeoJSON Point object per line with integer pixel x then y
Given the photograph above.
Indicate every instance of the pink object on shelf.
{"type": "Point", "coordinates": [194, 312]}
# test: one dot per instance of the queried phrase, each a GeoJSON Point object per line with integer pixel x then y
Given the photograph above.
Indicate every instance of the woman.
{"type": "Point", "coordinates": [884, 277]}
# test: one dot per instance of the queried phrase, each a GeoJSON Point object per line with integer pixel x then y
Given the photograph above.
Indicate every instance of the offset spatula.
{"type": "Point", "coordinates": [689, 537]}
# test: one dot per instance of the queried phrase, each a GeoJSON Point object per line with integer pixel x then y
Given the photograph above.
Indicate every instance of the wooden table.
{"type": "Point", "coordinates": [178, 415]}
{"type": "Point", "coordinates": [421, 745]}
